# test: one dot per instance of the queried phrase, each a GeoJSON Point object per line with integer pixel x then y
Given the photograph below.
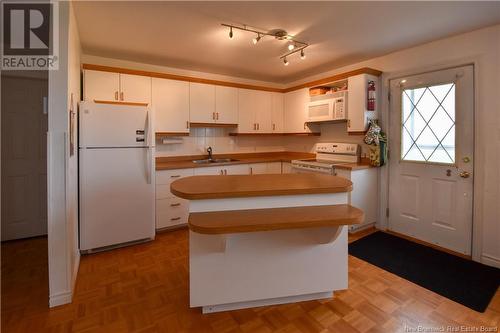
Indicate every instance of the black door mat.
{"type": "Point", "coordinates": [463, 281]}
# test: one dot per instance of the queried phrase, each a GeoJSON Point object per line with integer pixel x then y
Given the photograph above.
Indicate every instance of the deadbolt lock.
{"type": "Point", "coordinates": [448, 172]}
{"type": "Point", "coordinates": [466, 159]}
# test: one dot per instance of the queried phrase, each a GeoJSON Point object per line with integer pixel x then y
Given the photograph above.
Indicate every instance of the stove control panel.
{"type": "Point", "coordinates": [338, 148]}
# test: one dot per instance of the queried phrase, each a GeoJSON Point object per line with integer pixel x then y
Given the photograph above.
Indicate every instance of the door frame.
{"type": "Point", "coordinates": [477, 223]}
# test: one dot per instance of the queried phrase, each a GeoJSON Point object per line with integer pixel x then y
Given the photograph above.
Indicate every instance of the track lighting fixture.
{"type": "Point", "coordinates": [293, 45]}
{"type": "Point", "coordinates": [256, 39]}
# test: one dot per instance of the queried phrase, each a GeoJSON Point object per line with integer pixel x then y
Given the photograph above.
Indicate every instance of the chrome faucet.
{"type": "Point", "coordinates": [209, 151]}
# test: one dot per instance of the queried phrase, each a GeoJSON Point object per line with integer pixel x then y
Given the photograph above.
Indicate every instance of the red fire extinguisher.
{"type": "Point", "coordinates": [371, 96]}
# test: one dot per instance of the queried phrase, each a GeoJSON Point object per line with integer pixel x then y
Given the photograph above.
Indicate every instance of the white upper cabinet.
{"type": "Point", "coordinates": [295, 115]}
{"type": "Point", "coordinates": [201, 103]}
{"type": "Point", "coordinates": [170, 102]}
{"type": "Point", "coordinates": [246, 111]}
{"type": "Point", "coordinates": [135, 88]}
{"type": "Point", "coordinates": [115, 87]}
{"type": "Point", "coordinates": [277, 108]}
{"type": "Point", "coordinates": [263, 106]}
{"type": "Point", "coordinates": [226, 105]}
{"type": "Point", "coordinates": [358, 115]}
{"type": "Point", "coordinates": [254, 111]}
{"type": "Point", "coordinates": [101, 86]}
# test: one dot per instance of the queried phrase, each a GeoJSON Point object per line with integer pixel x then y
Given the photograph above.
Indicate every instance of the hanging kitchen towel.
{"type": "Point", "coordinates": [372, 136]}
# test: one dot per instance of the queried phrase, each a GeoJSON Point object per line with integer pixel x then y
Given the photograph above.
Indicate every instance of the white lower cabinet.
{"type": "Point", "coordinates": [364, 193]}
{"type": "Point", "coordinates": [170, 210]}
{"type": "Point", "coordinates": [238, 169]}
{"type": "Point", "coordinates": [173, 211]}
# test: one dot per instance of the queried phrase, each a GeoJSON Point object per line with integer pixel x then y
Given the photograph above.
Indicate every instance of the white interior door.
{"type": "Point", "coordinates": [24, 157]}
{"type": "Point", "coordinates": [431, 164]}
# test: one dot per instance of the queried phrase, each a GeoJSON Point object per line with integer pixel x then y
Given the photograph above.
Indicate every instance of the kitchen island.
{"type": "Point", "coordinates": [258, 240]}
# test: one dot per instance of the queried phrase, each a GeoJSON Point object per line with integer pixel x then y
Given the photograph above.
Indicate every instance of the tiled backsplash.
{"type": "Point", "coordinates": [220, 141]}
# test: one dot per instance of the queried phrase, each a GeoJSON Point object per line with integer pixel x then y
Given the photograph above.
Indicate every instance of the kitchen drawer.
{"type": "Point", "coordinates": [163, 191]}
{"type": "Point", "coordinates": [171, 212]}
{"type": "Point", "coordinates": [165, 177]}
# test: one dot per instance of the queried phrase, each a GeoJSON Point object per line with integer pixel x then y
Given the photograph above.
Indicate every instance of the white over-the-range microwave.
{"type": "Point", "coordinates": [329, 107]}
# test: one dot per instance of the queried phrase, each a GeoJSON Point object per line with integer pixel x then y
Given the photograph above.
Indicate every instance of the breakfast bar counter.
{"type": "Point", "coordinates": [257, 240]}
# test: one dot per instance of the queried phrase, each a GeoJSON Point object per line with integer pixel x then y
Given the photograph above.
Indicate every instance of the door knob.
{"type": "Point", "coordinates": [464, 174]}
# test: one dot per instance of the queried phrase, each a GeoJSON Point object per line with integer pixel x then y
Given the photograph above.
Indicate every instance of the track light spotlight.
{"type": "Point", "coordinates": [302, 54]}
{"type": "Point", "coordinates": [285, 61]}
{"type": "Point", "coordinates": [230, 32]}
{"type": "Point", "coordinates": [291, 46]}
{"type": "Point", "coordinates": [256, 39]}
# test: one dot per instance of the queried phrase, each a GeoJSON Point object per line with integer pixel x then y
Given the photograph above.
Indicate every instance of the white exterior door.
{"type": "Point", "coordinates": [431, 164]}
{"type": "Point", "coordinates": [24, 158]}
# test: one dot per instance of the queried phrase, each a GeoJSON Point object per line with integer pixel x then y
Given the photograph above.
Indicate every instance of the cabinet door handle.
{"type": "Point", "coordinates": [217, 116]}
{"type": "Point", "coordinates": [258, 126]}
{"type": "Point", "coordinates": [121, 96]}
{"type": "Point", "coordinates": [251, 170]}
{"type": "Point", "coordinates": [348, 122]}
{"type": "Point", "coordinates": [222, 172]}
{"type": "Point", "coordinates": [175, 204]}
{"type": "Point", "coordinates": [175, 219]}
{"type": "Point", "coordinates": [213, 115]}
{"type": "Point", "coordinates": [225, 172]}
{"type": "Point", "coordinates": [274, 127]}
{"type": "Point", "coordinates": [175, 176]}
{"type": "Point", "coordinates": [116, 95]}
{"type": "Point", "coordinates": [187, 124]}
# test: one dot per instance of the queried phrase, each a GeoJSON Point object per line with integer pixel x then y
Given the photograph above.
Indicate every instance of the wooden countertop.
{"type": "Point", "coordinates": [234, 186]}
{"type": "Point", "coordinates": [253, 220]}
{"type": "Point", "coordinates": [186, 162]}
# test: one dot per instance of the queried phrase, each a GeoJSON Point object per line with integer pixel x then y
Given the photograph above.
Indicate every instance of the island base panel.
{"type": "Point", "coordinates": [252, 268]}
{"type": "Point", "coordinates": [266, 302]}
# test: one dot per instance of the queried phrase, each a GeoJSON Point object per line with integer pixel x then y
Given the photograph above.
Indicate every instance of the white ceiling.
{"type": "Point", "coordinates": [189, 35]}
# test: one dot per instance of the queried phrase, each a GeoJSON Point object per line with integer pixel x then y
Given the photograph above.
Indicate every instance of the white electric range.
{"type": "Point", "coordinates": [328, 155]}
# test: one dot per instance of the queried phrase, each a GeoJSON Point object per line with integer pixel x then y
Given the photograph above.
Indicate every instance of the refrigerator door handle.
{"type": "Point", "coordinates": [148, 165]}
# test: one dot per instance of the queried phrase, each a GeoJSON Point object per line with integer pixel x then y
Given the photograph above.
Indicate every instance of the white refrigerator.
{"type": "Point", "coordinates": [116, 175]}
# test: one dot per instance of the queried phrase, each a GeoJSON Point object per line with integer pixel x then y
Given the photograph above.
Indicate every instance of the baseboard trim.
{"type": "Point", "coordinates": [266, 302]}
{"type": "Point", "coordinates": [60, 298]}
{"type": "Point", "coordinates": [490, 260]}
{"type": "Point", "coordinates": [66, 297]}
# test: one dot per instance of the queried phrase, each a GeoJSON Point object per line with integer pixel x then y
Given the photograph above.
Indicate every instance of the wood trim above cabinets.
{"type": "Point", "coordinates": [277, 134]}
{"type": "Point", "coordinates": [337, 77]}
{"type": "Point", "coordinates": [177, 77]}
{"type": "Point", "coordinates": [192, 125]}
{"type": "Point", "coordinates": [121, 103]}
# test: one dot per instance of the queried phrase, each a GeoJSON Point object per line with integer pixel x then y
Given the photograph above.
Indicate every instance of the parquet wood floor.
{"type": "Point", "coordinates": [144, 289]}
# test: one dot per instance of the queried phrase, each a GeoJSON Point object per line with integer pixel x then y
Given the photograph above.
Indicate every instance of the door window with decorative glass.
{"type": "Point", "coordinates": [428, 124]}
